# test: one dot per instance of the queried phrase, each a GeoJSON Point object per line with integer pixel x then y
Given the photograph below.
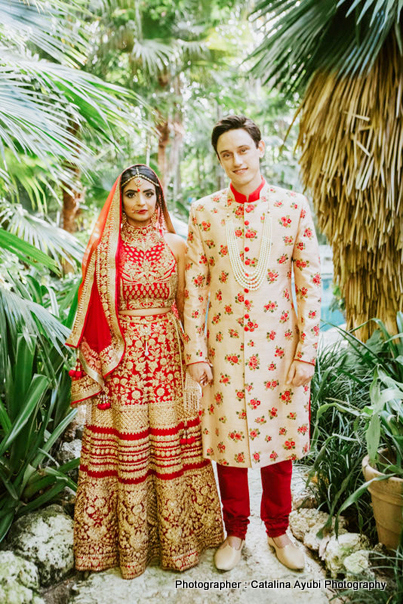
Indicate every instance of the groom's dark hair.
{"type": "Point", "coordinates": [234, 122]}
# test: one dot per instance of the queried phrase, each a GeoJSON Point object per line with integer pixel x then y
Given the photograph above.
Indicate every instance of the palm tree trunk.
{"type": "Point", "coordinates": [72, 198]}
{"type": "Point", "coordinates": [72, 194]}
{"type": "Point", "coordinates": [177, 142]}
{"type": "Point", "coordinates": [163, 140]}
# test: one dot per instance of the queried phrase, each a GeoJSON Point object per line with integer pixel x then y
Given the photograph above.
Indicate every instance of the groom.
{"type": "Point", "coordinates": [256, 359]}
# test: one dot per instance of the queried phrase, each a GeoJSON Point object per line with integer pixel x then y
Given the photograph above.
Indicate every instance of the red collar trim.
{"type": "Point", "coordinates": [241, 198]}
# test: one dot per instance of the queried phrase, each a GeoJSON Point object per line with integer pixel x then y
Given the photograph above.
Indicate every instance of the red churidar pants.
{"type": "Point", "coordinates": [276, 498]}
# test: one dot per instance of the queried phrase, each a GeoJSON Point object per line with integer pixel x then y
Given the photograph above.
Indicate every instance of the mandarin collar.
{"type": "Point", "coordinates": [241, 198]}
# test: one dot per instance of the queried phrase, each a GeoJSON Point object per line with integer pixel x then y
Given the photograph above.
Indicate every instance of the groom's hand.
{"type": "Point", "coordinates": [201, 373]}
{"type": "Point", "coordinates": [300, 374]}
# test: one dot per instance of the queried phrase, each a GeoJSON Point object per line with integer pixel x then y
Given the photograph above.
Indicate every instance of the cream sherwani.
{"type": "Point", "coordinates": [250, 416]}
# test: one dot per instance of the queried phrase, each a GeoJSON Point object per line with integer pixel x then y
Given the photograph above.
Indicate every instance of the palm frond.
{"type": "Point", "coordinates": [25, 251]}
{"type": "Point", "coordinates": [40, 100]}
{"type": "Point", "coordinates": [46, 25]}
{"type": "Point", "coordinates": [44, 103]}
{"type": "Point", "coordinates": [302, 38]}
{"type": "Point", "coordinates": [194, 50]}
{"type": "Point", "coordinates": [101, 105]}
{"type": "Point", "coordinates": [18, 314]}
{"type": "Point", "coordinates": [28, 174]}
{"type": "Point", "coordinates": [153, 55]}
{"type": "Point", "coordinates": [34, 121]}
{"type": "Point", "coordinates": [40, 233]}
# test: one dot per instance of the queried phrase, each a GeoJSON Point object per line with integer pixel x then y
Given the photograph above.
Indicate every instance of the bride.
{"type": "Point", "coordinates": [144, 489]}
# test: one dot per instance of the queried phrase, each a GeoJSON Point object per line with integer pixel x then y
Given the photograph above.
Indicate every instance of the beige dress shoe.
{"type": "Point", "coordinates": [291, 556]}
{"type": "Point", "coordinates": [227, 557]}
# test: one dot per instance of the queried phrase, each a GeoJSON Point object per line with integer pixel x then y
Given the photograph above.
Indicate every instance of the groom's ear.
{"type": "Point", "coordinates": [261, 146]}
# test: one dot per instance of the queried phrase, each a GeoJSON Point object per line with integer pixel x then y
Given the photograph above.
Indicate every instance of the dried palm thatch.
{"type": "Point", "coordinates": [351, 137]}
{"type": "Point", "coordinates": [345, 59]}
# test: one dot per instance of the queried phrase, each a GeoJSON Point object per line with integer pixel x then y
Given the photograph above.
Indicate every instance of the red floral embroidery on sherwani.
{"type": "Point", "coordinates": [142, 492]}
{"type": "Point", "coordinates": [252, 336]}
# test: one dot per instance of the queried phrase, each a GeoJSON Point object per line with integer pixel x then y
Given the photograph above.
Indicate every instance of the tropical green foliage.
{"type": "Point", "coordinates": [41, 233]}
{"type": "Point", "coordinates": [32, 300]}
{"type": "Point", "coordinates": [357, 409]}
{"type": "Point", "coordinates": [324, 35]}
{"type": "Point", "coordinates": [382, 419]}
{"type": "Point", "coordinates": [338, 445]}
{"type": "Point", "coordinates": [45, 99]}
{"type": "Point", "coordinates": [385, 424]}
{"type": "Point", "coordinates": [34, 403]}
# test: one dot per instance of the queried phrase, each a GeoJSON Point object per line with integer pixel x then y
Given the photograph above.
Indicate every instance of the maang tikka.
{"type": "Point", "coordinates": [137, 179]}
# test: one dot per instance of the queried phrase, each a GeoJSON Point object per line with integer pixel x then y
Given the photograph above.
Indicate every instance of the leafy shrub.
{"type": "Point", "coordinates": [34, 386]}
{"type": "Point", "coordinates": [34, 412]}
{"type": "Point", "coordinates": [336, 450]}
{"type": "Point", "coordinates": [353, 413]}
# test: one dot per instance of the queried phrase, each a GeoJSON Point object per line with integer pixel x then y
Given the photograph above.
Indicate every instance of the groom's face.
{"type": "Point", "coordinates": [240, 157]}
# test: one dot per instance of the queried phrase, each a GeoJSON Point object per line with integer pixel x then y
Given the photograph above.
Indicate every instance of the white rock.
{"type": "Point", "coordinates": [357, 565]}
{"type": "Point", "coordinates": [46, 539]}
{"type": "Point", "coordinates": [338, 550]}
{"type": "Point", "coordinates": [305, 520]}
{"type": "Point", "coordinates": [305, 525]}
{"type": "Point", "coordinates": [69, 451]}
{"type": "Point", "coordinates": [303, 495]}
{"type": "Point", "coordinates": [19, 580]}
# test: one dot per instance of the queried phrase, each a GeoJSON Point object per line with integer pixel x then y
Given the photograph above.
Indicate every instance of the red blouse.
{"type": "Point", "coordinates": [147, 269]}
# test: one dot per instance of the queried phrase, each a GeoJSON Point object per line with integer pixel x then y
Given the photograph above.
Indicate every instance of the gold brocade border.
{"type": "Point", "coordinates": [103, 268]}
{"type": "Point", "coordinates": [107, 280]}
{"type": "Point", "coordinates": [82, 309]}
{"type": "Point", "coordinates": [91, 372]}
{"type": "Point", "coordinates": [83, 389]}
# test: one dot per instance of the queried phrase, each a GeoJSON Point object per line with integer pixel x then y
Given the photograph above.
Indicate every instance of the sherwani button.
{"type": "Point", "coordinates": [246, 291]}
{"type": "Point", "coordinates": [246, 249]}
{"type": "Point", "coordinates": [246, 316]}
{"type": "Point", "coordinates": [247, 222]}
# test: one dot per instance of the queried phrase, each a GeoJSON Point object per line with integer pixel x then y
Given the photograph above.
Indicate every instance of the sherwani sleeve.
{"type": "Point", "coordinates": [196, 295]}
{"type": "Point", "coordinates": [308, 288]}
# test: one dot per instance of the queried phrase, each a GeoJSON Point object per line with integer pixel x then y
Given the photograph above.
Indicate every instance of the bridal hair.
{"type": "Point", "coordinates": [141, 171]}
{"type": "Point", "coordinates": [235, 122]}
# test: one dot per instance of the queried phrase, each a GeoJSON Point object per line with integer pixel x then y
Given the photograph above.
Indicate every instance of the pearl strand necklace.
{"type": "Point", "coordinates": [249, 279]}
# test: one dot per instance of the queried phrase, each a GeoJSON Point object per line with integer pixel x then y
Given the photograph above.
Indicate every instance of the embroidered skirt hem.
{"type": "Point", "coordinates": [144, 490]}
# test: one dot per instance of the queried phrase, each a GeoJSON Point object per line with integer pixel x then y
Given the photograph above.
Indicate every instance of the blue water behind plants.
{"type": "Point", "coordinates": [333, 316]}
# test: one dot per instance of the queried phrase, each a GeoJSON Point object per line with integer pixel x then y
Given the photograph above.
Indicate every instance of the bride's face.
{"type": "Point", "coordinates": [139, 202]}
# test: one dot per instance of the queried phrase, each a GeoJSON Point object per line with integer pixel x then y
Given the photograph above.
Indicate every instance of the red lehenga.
{"type": "Point", "coordinates": [144, 489]}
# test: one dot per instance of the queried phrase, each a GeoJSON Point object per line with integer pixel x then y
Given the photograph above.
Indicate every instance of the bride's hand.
{"type": "Point", "coordinates": [201, 373]}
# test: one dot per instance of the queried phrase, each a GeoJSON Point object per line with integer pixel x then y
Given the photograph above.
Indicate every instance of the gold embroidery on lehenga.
{"type": "Point", "coordinates": [144, 492]}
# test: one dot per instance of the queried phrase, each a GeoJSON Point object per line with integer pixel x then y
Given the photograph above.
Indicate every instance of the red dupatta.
{"type": "Point", "coordinates": [96, 331]}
